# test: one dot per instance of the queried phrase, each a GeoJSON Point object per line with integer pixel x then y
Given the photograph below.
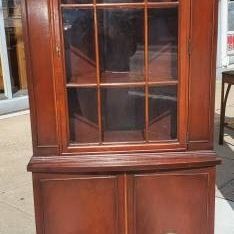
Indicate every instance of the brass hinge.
{"type": "Point", "coordinates": [58, 50]}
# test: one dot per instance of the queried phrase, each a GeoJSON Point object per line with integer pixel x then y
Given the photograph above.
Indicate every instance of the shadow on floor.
{"type": "Point", "coordinates": [225, 171]}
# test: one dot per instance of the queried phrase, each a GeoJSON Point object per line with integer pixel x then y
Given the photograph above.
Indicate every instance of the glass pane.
{"type": "Point", "coordinates": [123, 114]}
{"type": "Point", "coordinates": [163, 44]}
{"type": "Point", "coordinates": [121, 39]}
{"type": "Point", "coordinates": [83, 117]}
{"type": "Point", "coordinates": [13, 43]}
{"type": "Point", "coordinates": [77, 1]}
{"type": "Point", "coordinates": [79, 45]}
{"type": "Point", "coordinates": [163, 113]}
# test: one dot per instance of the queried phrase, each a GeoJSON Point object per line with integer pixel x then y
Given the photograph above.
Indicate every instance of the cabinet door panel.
{"type": "Point", "coordinates": [173, 203]}
{"type": "Point", "coordinates": [80, 205]}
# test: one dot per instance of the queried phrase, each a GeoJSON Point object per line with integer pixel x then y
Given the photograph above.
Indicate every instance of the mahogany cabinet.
{"type": "Point", "coordinates": [122, 104]}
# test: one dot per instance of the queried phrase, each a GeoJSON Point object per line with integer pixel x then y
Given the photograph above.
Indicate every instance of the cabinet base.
{"type": "Point", "coordinates": [172, 195]}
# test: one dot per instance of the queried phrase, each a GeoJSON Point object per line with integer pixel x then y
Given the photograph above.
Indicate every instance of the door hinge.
{"type": "Point", "coordinates": [58, 50]}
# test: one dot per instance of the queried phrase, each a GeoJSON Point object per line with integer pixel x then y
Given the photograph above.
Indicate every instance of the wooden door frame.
{"type": "Point", "coordinates": [60, 90]}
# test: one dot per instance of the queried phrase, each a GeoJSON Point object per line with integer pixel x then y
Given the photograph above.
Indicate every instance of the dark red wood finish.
{"type": "Point", "coordinates": [173, 202]}
{"type": "Point", "coordinates": [177, 201]}
{"type": "Point", "coordinates": [164, 186]}
{"type": "Point", "coordinates": [202, 73]}
{"type": "Point", "coordinates": [81, 204]}
{"type": "Point", "coordinates": [38, 41]}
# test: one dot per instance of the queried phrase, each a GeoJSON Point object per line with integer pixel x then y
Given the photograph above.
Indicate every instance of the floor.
{"type": "Point", "coordinates": [224, 218]}
{"type": "Point", "coordinates": [16, 204]}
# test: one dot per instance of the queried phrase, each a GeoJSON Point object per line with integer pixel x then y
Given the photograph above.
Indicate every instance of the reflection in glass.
{"type": "Point", "coordinates": [83, 117]}
{"type": "Point", "coordinates": [121, 41]}
{"type": "Point", "coordinates": [163, 113]}
{"type": "Point", "coordinates": [163, 44]}
{"type": "Point", "coordinates": [123, 114]}
{"type": "Point", "coordinates": [79, 45]}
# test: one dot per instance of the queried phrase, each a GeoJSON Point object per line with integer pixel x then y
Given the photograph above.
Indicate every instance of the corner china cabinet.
{"type": "Point", "coordinates": [122, 103]}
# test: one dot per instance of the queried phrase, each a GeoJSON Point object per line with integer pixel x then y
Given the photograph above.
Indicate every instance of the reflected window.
{"type": "Point", "coordinates": [163, 113]}
{"type": "Point", "coordinates": [83, 118]}
{"type": "Point", "coordinates": [121, 38]}
{"type": "Point", "coordinates": [123, 114]}
{"type": "Point", "coordinates": [79, 45]}
{"type": "Point", "coordinates": [163, 44]}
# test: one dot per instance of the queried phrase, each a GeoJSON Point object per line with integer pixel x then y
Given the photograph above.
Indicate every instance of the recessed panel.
{"type": "Point", "coordinates": [83, 117]}
{"type": "Point", "coordinates": [171, 204]}
{"type": "Point", "coordinates": [79, 45]}
{"type": "Point", "coordinates": [163, 44]}
{"type": "Point", "coordinates": [123, 114]}
{"type": "Point", "coordinates": [163, 113]}
{"type": "Point", "coordinates": [121, 44]}
{"type": "Point", "coordinates": [80, 205]}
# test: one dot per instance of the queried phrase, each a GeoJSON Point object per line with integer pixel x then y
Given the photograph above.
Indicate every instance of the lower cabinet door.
{"type": "Point", "coordinates": [77, 204]}
{"type": "Point", "coordinates": [179, 202]}
{"type": "Point", "coordinates": [173, 203]}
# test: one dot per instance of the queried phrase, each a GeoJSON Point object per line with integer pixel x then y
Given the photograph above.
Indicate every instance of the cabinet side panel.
{"type": "Point", "coordinates": [39, 56]}
{"type": "Point", "coordinates": [202, 75]}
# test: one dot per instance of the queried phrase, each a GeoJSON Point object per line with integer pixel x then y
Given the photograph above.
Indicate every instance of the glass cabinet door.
{"type": "Point", "coordinates": [122, 70]}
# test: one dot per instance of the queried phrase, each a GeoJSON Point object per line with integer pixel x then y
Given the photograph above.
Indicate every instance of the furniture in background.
{"type": "Point", "coordinates": [228, 79]}
{"type": "Point", "coordinates": [122, 103]}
